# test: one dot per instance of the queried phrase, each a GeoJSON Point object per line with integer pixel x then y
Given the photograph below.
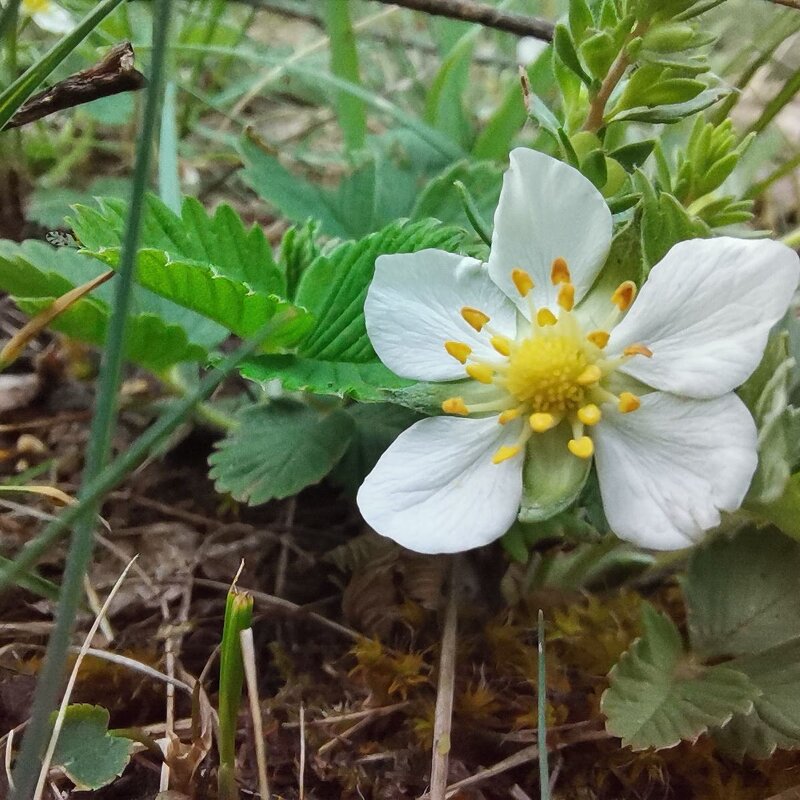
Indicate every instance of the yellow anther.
{"type": "Point", "coordinates": [599, 338]}
{"type": "Point", "coordinates": [559, 272]}
{"type": "Point", "coordinates": [590, 375]}
{"type": "Point", "coordinates": [505, 452]}
{"type": "Point", "coordinates": [481, 373]}
{"type": "Point", "coordinates": [474, 318]}
{"type": "Point", "coordinates": [458, 350]}
{"type": "Point", "coordinates": [509, 415]}
{"type": "Point", "coordinates": [623, 295]}
{"type": "Point", "coordinates": [566, 296]}
{"type": "Point", "coordinates": [628, 402]}
{"type": "Point", "coordinates": [544, 316]}
{"type": "Point", "coordinates": [583, 447]}
{"type": "Point", "coordinates": [638, 350]}
{"type": "Point", "coordinates": [541, 422]}
{"type": "Point", "coordinates": [589, 414]}
{"type": "Point", "coordinates": [522, 281]}
{"type": "Point", "coordinates": [502, 345]}
{"type": "Point", "coordinates": [455, 405]}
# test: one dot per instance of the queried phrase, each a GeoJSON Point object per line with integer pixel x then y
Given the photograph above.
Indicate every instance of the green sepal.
{"type": "Point", "coordinates": [552, 478]}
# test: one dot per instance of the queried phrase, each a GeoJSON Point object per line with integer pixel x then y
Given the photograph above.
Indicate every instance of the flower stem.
{"type": "Point", "coordinates": [597, 108]}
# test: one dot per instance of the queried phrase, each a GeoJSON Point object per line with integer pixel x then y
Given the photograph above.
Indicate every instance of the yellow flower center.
{"type": "Point", "coordinates": [544, 370]}
{"type": "Point", "coordinates": [553, 373]}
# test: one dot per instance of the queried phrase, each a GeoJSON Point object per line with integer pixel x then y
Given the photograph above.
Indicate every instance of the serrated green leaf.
{"type": "Point", "coordinates": [298, 250]}
{"type": "Point", "coordinates": [366, 381]}
{"type": "Point", "coordinates": [220, 240]}
{"type": "Point", "coordinates": [659, 695]}
{"type": "Point", "coordinates": [201, 287]}
{"type": "Point", "coordinates": [279, 449]}
{"type": "Point", "coordinates": [742, 593]}
{"type": "Point", "coordinates": [87, 753]}
{"type": "Point", "coordinates": [334, 287]}
{"type": "Point", "coordinates": [775, 718]}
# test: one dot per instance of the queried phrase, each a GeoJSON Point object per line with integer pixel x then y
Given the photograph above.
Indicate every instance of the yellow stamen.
{"type": "Point", "coordinates": [638, 350]}
{"type": "Point", "coordinates": [522, 281]}
{"type": "Point", "coordinates": [566, 296]}
{"type": "Point", "coordinates": [474, 318]}
{"type": "Point", "coordinates": [505, 452]}
{"type": "Point", "coordinates": [501, 344]}
{"type": "Point", "coordinates": [590, 375]}
{"type": "Point", "coordinates": [458, 350]}
{"type": "Point", "coordinates": [541, 422]}
{"type": "Point", "coordinates": [559, 272]}
{"type": "Point", "coordinates": [582, 448]}
{"type": "Point", "coordinates": [628, 402]}
{"type": "Point", "coordinates": [599, 338]}
{"type": "Point", "coordinates": [544, 317]}
{"type": "Point", "coordinates": [481, 373]}
{"type": "Point", "coordinates": [455, 405]}
{"type": "Point", "coordinates": [623, 295]}
{"type": "Point", "coordinates": [589, 414]}
{"type": "Point", "coordinates": [509, 415]}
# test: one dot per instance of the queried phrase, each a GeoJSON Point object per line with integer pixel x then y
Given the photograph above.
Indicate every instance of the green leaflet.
{"type": "Point", "coordinates": [220, 240]}
{"type": "Point", "coordinates": [659, 695]}
{"type": "Point", "coordinates": [279, 449]}
{"type": "Point", "coordinates": [89, 755]}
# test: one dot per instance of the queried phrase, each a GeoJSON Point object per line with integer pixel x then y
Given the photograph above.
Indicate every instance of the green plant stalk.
{"type": "Point", "coordinates": [541, 712]}
{"type": "Point", "coordinates": [238, 617]}
{"type": "Point", "coordinates": [126, 462]}
{"type": "Point", "coordinates": [782, 171]}
{"type": "Point", "coordinates": [205, 412]}
{"type": "Point", "coordinates": [24, 86]}
{"type": "Point", "coordinates": [81, 546]}
{"type": "Point", "coordinates": [33, 583]}
{"type": "Point", "coordinates": [8, 22]}
{"type": "Point", "coordinates": [350, 110]}
{"type": "Point", "coordinates": [169, 182]}
{"type": "Point", "coordinates": [473, 215]}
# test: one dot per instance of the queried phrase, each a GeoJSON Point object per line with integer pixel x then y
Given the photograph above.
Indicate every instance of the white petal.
{"type": "Point", "coordinates": [413, 307]}
{"type": "Point", "coordinates": [705, 311]}
{"type": "Point", "coordinates": [547, 210]}
{"type": "Point", "coordinates": [436, 490]}
{"type": "Point", "coordinates": [668, 469]}
{"type": "Point", "coordinates": [54, 19]}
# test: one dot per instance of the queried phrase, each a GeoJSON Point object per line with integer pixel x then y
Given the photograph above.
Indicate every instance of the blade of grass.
{"type": "Point", "coordinates": [126, 462]}
{"type": "Point", "coordinates": [80, 550]}
{"type": "Point", "coordinates": [27, 83]}
{"type": "Point", "coordinates": [32, 582]}
{"type": "Point", "coordinates": [541, 711]}
{"type": "Point", "coordinates": [350, 110]}
{"type": "Point", "coordinates": [787, 93]}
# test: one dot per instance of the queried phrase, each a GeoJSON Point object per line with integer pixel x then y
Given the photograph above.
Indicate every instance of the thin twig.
{"type": "Point", "coordinates": [302, 781]}
{"type": "Point", "coordinates": [286, 605]}
{"type": "Point", "coordinates": [489, 17]}
{"type": "Point", "coordinates": [114, 74]}
{"type": "Point", "coordinates": [249, 663]}
{"type": "Point", "coordinates": [445, 689]}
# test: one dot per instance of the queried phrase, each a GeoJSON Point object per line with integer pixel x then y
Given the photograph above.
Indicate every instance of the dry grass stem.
{"type": "Point", "coordinates": [249, 663]}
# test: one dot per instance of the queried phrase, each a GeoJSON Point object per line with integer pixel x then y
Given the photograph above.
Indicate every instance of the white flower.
{"type": "Point", "coordinates": [644, 387]}
{"type": "Point", "coordinates": [49, 16]}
